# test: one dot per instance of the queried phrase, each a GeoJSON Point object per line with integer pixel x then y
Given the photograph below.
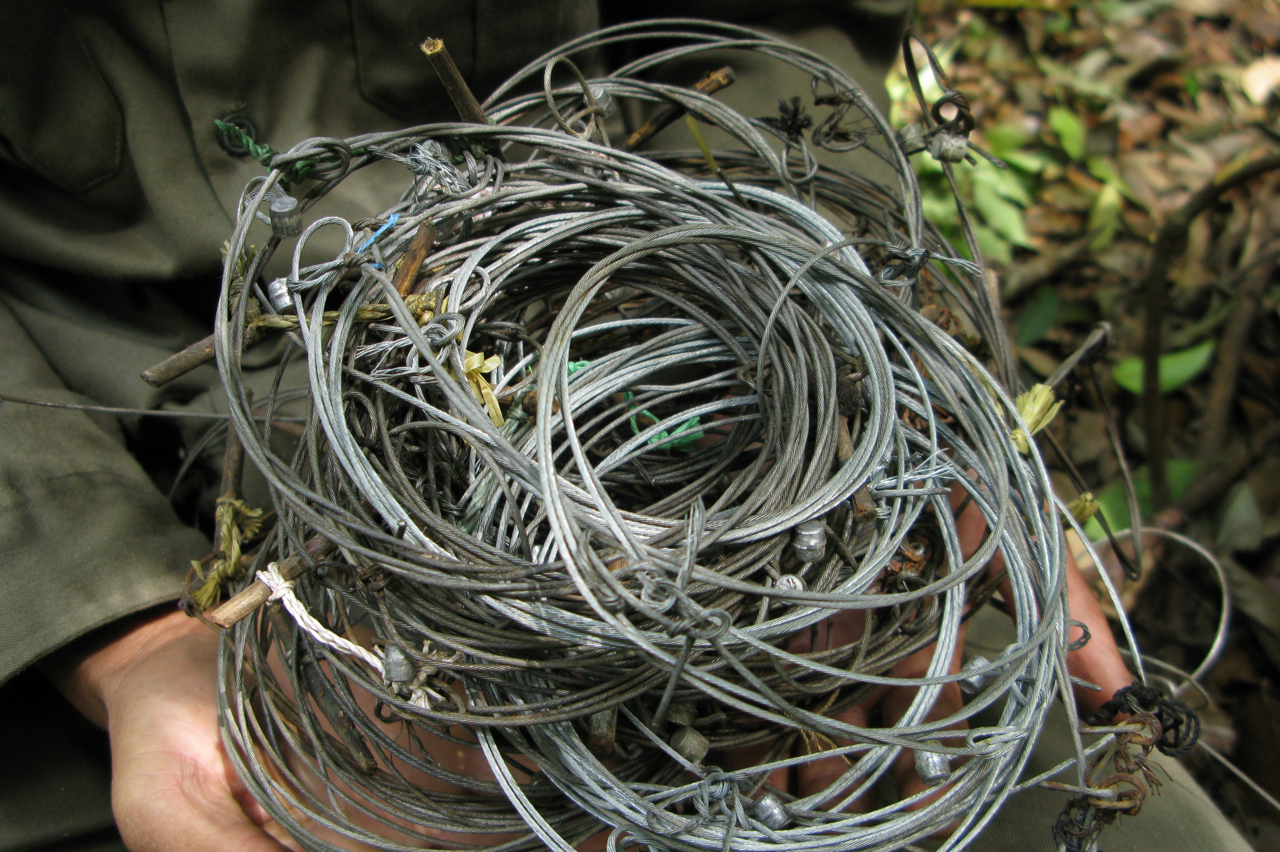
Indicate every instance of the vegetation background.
{"type": "Point", "coordinates": [1112, 115]}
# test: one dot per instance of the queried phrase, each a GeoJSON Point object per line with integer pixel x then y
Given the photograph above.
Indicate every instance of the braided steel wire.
{"type": "Point", "coordinates": [712, 511]}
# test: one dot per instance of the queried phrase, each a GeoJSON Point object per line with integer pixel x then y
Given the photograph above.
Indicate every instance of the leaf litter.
{"type": "Point", "coordinates": [1111, 114]}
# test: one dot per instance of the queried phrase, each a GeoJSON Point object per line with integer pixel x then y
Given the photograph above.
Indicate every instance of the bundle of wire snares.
{"type": "Point", "coordinates": [595, 554]}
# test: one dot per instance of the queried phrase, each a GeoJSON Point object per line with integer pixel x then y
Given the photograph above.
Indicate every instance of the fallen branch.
{"type": "Point", "coordinates": [1170, 242]}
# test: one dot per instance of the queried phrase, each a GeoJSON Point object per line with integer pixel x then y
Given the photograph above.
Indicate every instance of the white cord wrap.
{"type": "Point", "coordinates": [282, 590]}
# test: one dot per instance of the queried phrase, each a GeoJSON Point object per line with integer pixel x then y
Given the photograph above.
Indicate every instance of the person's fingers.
{"type": "Point", "coordinates": [165, 802]}
{"type": "Point", "coordinates": [172, 786]}
{"type": "Point", "coordinates": [971, 528]}
{"type": "Point", "coordinates": [898, 701]}
{"type": "Point", "coordinates": [172, 789]}
{"type": "Point", "coordinates": [1099, 660]}
{"type": "Point", "coordinates": [816, 775]}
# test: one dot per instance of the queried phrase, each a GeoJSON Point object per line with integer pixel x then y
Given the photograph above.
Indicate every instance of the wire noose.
{"type": "Point", "coordinates": [534, 583]}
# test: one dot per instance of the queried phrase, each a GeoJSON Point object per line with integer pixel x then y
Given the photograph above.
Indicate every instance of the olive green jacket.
{"type": "Point", "coordinates": [115, 197]}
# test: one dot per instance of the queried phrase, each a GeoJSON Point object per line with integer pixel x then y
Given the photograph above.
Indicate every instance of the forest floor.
{"type": "Point", "coordinates": [1111, 115]}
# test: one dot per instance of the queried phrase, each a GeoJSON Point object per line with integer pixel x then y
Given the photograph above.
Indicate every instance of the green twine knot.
{"type": "Point", "coordinates": [237, 523]}
{"type": "Point", "coordinates": [264, 154]}
{"type": "Point", "coordinates": [683, 437]}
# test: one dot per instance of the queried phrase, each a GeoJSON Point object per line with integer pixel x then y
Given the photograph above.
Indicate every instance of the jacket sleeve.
{"type": "Point", "coordinates": [85, 537]}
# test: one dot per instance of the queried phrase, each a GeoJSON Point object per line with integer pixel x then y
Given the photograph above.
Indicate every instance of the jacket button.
{"type": "Point", "coordinates": [227, 142]}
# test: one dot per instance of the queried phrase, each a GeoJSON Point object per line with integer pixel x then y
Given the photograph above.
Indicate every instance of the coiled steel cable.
{"type": "Point", "coordinates": [672, 360]}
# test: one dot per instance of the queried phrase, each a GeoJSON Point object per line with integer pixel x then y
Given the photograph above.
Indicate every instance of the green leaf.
{"type": "Point", "coordinates": [1103, 169]}
{"type": "Point", "coordinates": [941, 211]}
{"type": "Point", "coordinates": [1026, 161]}
{"type": "Point", "coordinates": [1115, 507]}
{"type": "Point", "coordinates": [1038, 316]}
{"type": "Point", "coordinates": [1176, 368]}
{"type": "Point", "coordinates": [1193, 84]}
{"type": "Point", "coordinates": [1077, 312]}
{"type": "Point", "coordinates": [1003, 216]}
{"type": "Point", "coordinates": [1006, 138]}
{"type": "Point", "coordinates": [1007, 184]}
{"type": "Point", "coordinates": [1038, 5]}
{"type": "Point", "coordinates": [1059, 24]}
{"type": "Point", "coordinates": [1104, 216]}
{"type": "Point", "coordinates": [991, 244]}
{"type": "Point", "coordinates": [1070, 129]}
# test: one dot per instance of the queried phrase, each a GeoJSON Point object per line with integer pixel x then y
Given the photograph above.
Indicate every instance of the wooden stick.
{"type": "Point", "coordinates": [712, 82]}
{"type": "Point", "coordinates": [1169, 245]}
{"type": "Point", "coordinates": [195, 355]}
{"type": "Point", "coordinates": [419, 247]}
{"type": "Point", "coordinates": [254, 596]}
{"type": "Point", "coordinates": [1230, 355]}
{"type": "Point", "coordinates": [232, 471]}
{"type": "Point", "coordinates": [451, 78]}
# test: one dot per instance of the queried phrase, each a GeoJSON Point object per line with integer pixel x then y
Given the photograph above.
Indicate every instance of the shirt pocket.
{"type": "Point", "coordinates": [487, 39]}
{"type": "Point", "coordinates": [58, 117]}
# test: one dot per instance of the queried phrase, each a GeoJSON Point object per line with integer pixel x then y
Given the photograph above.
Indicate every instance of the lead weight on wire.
{"type": "Point", "coordinates": [933, 768]}
{"type": "Point", "coordinates": [948, 147]}
{"type": "Point", "coordinates": [396, 665]}
{"type": "Point", "coordinates": [771, 811]}
{"type": "Point", "coordinates": [279, 296]}
{"type": "Point", "coordinates": [911, 138]}
{"type": "Point", "coordinates": [602, 732]}
{"type": "Point", "coordinates": [286, 217]}
{"type": "Point", "coordinates": [811, 540]}
{"type": "Point", "coordinates": [604, 99]}
{"type": "Point", "coordinates": [973, 679]}
{"type": "Point", "coordinates": [690, 744]}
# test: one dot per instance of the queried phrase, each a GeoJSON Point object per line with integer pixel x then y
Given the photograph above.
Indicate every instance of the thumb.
{"type": "Point", "coordinates": [191, 831]}
{"type": "Point", "coordinates": [167, 802]}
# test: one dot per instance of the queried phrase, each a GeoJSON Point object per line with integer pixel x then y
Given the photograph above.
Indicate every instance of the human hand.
{"type": "Point", "coordinates": [1098, 661]}
{"type": "Point", "coordinates": [152, 685]}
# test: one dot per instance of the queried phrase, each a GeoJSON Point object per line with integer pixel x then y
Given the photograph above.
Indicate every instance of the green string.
{"type": "Point", "coordinates": [689, 431]}
{"type": "Point", "coordinates": [264, 154]}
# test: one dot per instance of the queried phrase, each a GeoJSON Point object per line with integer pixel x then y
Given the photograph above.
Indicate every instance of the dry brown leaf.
{"type": "Point", "coordinates": [1052, 222]}
{"type": "Point", "coordinates": [1143, 126]}
{"type": "Point", "coordinates": [1145, 174]}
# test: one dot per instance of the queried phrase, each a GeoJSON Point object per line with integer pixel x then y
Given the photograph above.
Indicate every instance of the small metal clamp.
{"type": "Point", "coordinates": [933, 768]}
{"type": "Point", "coordinates": [973, 678]}
{"type": "Point", "coordinates": [604, 100]}
{"type": "Point", "coordinates": [682, 713]}
{"type": "Point", "coordinates": [278, 294]}
{"type": "Point", "coordinates": [911, 138]}
{"type": "Point", "coordinates": [771, 811]}
{"type": "Point", "coordinates": [790, 583]}
{"type": "Point", "coordinates": [396, 665]}
{"type": "Point", "coordinates": [948, 147]}
{"type": "Point", "coordinates": [603, 732]}
{"type": "Point", "coordinates": [690, 744]}
{"type": "Point", "coordinates": [811, 540]}
{"type": "Point", "coordinates": [286, 217]}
